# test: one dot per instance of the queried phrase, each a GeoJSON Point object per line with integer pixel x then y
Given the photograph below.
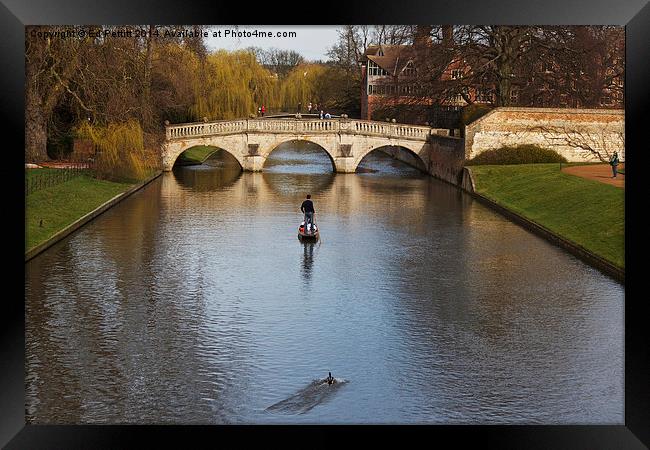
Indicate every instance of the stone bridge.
{"type": "Point", "coordinates": [346, 141]}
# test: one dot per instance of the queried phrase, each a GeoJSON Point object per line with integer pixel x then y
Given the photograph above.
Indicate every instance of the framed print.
{"type": "Point", "coordinates": [333, 230]}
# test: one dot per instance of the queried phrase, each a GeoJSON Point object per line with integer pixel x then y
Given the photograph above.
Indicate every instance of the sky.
{"type": "Point", "coordinates": [311, 41]}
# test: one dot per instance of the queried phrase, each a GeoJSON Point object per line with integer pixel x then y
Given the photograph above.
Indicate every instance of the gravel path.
{"type": "Point", "coordinates": [598, 172]}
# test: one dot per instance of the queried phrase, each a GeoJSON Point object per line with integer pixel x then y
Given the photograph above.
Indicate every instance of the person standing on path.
{"type": "Point", "coordinates": [613, 161]}
{"type": "Point", "coordinates": [263, 110]}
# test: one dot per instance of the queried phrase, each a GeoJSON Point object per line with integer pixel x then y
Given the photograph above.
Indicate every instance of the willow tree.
{"type": "Point", "coordinates": [121, 153]}
{"type": "Point", "coordinates": [235, 86]}
{"type": "Point", "coordinates": [302, 85]}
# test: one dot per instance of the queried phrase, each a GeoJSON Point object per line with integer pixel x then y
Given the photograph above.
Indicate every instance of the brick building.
{"type": "Point", "coordinates": [389, 79]}
{"type": "Point", "coordinates": [387, 70]}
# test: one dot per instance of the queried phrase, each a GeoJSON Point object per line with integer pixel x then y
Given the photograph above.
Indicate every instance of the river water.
{"type": "Point", "coordinates": [194, 302]}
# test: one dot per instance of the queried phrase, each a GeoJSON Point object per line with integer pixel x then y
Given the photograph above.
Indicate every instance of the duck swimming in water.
{"type": "Point", "coordinates": [330, 378]}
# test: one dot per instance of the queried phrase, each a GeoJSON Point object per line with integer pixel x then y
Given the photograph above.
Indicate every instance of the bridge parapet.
{"type": "Point", "coordinates": [298, 126]}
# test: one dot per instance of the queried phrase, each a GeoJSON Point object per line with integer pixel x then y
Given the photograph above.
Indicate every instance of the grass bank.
{"type": "Point", "coordinates": [196, 154]}
{"type": "Point", "coordinates": [31, 174]}
{"type": "Point", "coordinates": [60, 205]}
{"type": "Point", "coordinates": [586, 212]}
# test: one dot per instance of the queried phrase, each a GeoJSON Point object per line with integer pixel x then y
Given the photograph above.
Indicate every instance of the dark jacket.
{"type": "Point", "coordinates": [614, 160]}
{"type": "Point", "coordinates": [307, 206]}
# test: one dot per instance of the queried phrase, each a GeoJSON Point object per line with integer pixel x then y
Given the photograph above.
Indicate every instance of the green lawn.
{"type": "Point", "coordinates": [43, 171]}
{"type": "Point", "coordinates": [196, 154]}
{"type": "Point", "coordinates": [60, 205]}
{"type": "Point", "coordinates": [32, 175]}
{"type": "Point", "coordinates": [586, 212]}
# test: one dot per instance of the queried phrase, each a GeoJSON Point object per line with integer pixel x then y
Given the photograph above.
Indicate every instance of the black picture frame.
{"type": "Point", "coordinates": [15, 14]}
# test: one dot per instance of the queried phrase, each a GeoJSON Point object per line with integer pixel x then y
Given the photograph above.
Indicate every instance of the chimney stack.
{"type": "Point", "coordinates": [447, 36]}
{"type": "Point", "coordinates": [423, 34]}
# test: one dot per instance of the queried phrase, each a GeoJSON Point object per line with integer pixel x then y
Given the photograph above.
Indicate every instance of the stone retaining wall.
{"type": "Point", "coordinates": [446, 158]}
{"type": "Point", "coordinates": [561, 129]}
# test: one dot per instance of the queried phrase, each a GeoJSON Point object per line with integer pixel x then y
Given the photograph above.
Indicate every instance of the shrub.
{"type": "Point", "coordinates": [521, 154]}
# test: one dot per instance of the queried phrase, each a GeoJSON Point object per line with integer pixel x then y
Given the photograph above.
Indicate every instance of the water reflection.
{"type": "Point", "coordinates": [300, 158]}
{"type": "Point", "coordinates": [177, 304]}
{"type": "Point", "coordinates": [307, 261]}
{"type": "Point", "coordinates": [295, 170]}
{"type": "Point", "coordinates": [204, 178]}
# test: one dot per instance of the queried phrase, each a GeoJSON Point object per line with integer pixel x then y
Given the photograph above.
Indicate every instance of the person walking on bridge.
{"type": "Point", "coordinates": [307, 207]}
{"type": "Point", "coordinates": [263, 110]}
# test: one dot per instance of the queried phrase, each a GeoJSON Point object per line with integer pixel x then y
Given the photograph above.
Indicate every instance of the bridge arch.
{"type": "Point", "coordinates": [266, 152]}
{"type": "Point", "coordinates": [206, 153]}
{"type": "Point", "coordinates": [410, 154]}
{"type": "Point", "coordinates": [230, 144]}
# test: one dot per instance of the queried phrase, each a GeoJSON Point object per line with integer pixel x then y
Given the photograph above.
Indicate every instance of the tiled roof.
{"type": "Point", "coordinates": [394, 57]}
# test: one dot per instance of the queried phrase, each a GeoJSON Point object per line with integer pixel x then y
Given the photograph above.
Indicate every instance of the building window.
{"type": "Point", "coordinates": [483, 96]}
{"type": "Point", "coordinates": [456, 74]}
{"type": "Point", "coordinates": [514, 96]}
{"type": "Point", "coordinates": [374, 69]}
{"type": "Point", "coordinates": [383, 89]}
{"type": "Point", "coordinates": [409, 70]}
{"type": "Point", "coordinates": [407, 89]}
{"type": "Point", "coordinates": [375, 89]}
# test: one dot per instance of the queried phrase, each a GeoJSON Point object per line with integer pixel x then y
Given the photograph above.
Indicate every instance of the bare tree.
{"type": "Point", "coordinates": [278, 61]}
{"type": "Point", "coordinates": [52, 57]}
{"type": "Point", "coordinates": [575, 66]}
{"type": "Point", "coordinates": [600, 143]}
{"type": "Point", "coordinates": [393, 34]}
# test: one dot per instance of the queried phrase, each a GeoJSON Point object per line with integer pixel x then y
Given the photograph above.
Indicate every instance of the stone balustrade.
{"type": "Point", "coordinates": [298, 126]}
